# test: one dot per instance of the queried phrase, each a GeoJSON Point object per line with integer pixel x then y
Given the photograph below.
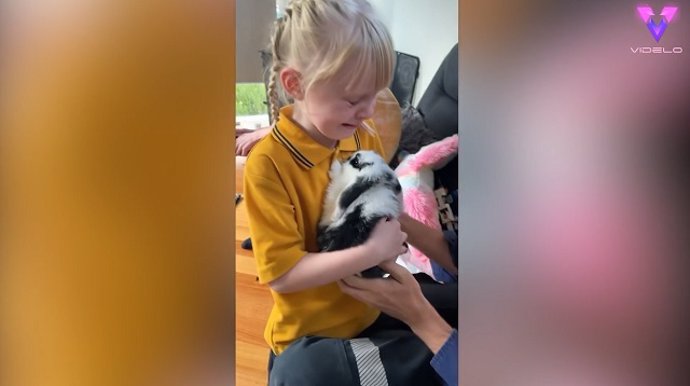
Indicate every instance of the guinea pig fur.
{"type": "Point", "coordinates": [362, 191]}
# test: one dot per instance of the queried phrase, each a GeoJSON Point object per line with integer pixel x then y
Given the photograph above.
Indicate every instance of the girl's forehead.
{"type": "Point", "coordinates": [350, 82]}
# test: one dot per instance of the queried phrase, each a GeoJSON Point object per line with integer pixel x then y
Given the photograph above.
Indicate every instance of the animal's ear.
{"type": "Point", "coordinates": [353, 191]}
{"type": "Point", "coordinates": [392, 181]}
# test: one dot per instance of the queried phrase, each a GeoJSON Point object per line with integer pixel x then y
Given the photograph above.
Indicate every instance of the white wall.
{"type": "Point", "coordinates": [427, 29]}
{"type": "Point", "coordinates": [254, 22]}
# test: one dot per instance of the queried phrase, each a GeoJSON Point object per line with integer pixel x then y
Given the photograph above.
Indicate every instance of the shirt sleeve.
{"type": "Point", "coordinates": [277, 243]}
{"type": "Point", "coordinates": [445, 362]}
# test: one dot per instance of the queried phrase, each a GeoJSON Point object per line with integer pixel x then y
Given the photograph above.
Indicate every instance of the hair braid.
{"type": "Point", "coordinates": [273, 98]}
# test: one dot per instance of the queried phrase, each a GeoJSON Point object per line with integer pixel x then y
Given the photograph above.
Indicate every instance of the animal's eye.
{"type": "Point", "coordinates": [355, 161]}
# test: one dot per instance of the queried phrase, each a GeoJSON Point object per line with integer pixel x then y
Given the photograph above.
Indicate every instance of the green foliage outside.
{"type": "Point", "coordinates": [250, 98]}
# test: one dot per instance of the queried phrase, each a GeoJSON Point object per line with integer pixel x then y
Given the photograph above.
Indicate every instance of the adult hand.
{"type": "Point", "coordinates": [398, 295]}
{"type": "Point", "coordinates": [247, 138]}
{"type": "Point", "coordinates": [386, 241]}
{"type": "Point", "coordinates": [429, 241]}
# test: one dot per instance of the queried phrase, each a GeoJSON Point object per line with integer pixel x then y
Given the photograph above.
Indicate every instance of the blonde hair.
{"type": "Point", "coordinates": [318, 37]}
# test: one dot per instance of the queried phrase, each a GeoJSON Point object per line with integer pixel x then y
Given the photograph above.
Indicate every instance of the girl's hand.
{"type": "Point", "coordinates": [386, 241]}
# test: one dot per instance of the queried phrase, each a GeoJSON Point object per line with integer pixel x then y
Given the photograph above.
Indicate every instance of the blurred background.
{"type": "Point", "coordinates": [116, 187]}
{"type": "Point", "coordinates": [574, 180]}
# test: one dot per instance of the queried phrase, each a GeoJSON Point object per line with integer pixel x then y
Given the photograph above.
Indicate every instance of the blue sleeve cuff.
{"type": "Point", "coordinates": [440, 274]}
{"type": "Point", "coordinates": [445, 362]}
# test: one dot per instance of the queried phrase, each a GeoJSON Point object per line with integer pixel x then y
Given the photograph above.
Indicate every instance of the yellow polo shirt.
{"type": "Point", "coordinates": [286, 176]}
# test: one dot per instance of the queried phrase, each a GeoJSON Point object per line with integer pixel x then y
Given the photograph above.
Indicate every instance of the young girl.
{"type": "Point", "coordinates": [331, 57]}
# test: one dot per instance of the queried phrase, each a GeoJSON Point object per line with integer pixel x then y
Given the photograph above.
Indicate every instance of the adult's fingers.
{"type": "Point", "coordinates": [361, 283]}
{"type": "Point", "coordinates": [397, 272]}
{"type": "Point", "coordinates": [354, 281]}
{"type": "Point", "coordinates": [359, 294]}
{"type": "Point", "coordinates": [242, 149]}
{"type": "Point", "coordinates": [241, 130]}
{"type": "Point", "coordinates": [350, 287]}
{"type": "Point", "coordinates": [403, 247]}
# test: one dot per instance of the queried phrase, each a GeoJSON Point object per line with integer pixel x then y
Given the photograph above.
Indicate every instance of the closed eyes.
{"type": "Point", "coordinates": [357, 100]}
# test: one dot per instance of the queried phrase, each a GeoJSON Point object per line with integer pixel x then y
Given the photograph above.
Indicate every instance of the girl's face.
{"type": "Point", "coordinates": [330, 110]}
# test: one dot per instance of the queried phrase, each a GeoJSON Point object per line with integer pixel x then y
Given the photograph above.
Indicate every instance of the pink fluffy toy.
{"type": "Point", "coordinates": [416, 176]}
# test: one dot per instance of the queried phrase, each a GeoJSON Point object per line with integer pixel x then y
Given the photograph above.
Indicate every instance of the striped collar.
{"type": "Point", "coordinates": [303, 148]}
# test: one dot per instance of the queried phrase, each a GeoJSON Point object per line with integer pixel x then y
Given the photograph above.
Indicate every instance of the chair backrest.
{"type": "Point", "coordinates": [439, 107]}
{"type": "Point", "coordinates": [388, 120]}
{"type": "Point", "coordinates": [439, 103]}
{"type": "Point", "coordinates": [405, 78]}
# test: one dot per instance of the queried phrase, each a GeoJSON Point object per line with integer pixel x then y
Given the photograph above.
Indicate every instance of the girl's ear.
{"type": "Point", "coordinates": [291, 80]}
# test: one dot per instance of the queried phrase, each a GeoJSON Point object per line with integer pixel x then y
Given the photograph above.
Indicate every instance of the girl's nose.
{"type": "Point", "coordinates": [366, 110]}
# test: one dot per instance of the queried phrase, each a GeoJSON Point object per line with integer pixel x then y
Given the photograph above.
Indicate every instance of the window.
{"type": "Point", "coordinates": [251, 110]}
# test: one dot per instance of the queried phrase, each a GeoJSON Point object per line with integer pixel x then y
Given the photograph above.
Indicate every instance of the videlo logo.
{"type": "Point", "coordinates": [657, 30]}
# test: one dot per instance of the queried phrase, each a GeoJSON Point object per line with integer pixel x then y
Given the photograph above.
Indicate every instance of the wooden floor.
{"type": "Point", "coordinates": [253, 304]}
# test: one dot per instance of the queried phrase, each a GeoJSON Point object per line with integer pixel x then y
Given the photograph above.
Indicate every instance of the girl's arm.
{"type": "Point", "coordinates": [429, 241]}
{"type": "Point", "coordinates": [316, 269]}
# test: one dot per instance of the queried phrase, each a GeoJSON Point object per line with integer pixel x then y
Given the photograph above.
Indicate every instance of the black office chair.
{"type": "Point", "coordinates": [405, 78]}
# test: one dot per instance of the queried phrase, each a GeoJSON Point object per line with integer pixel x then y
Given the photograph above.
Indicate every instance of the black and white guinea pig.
{"type": "Point", "coordinates": [362, 191]}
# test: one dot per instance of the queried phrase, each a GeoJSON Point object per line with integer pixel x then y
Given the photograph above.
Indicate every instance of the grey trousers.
{"type": "Point", "coordinates": [380, 356]}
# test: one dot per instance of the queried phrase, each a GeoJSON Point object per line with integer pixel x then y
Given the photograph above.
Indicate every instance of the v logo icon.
{"type": "Point", "coordinates": [657, 30]}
